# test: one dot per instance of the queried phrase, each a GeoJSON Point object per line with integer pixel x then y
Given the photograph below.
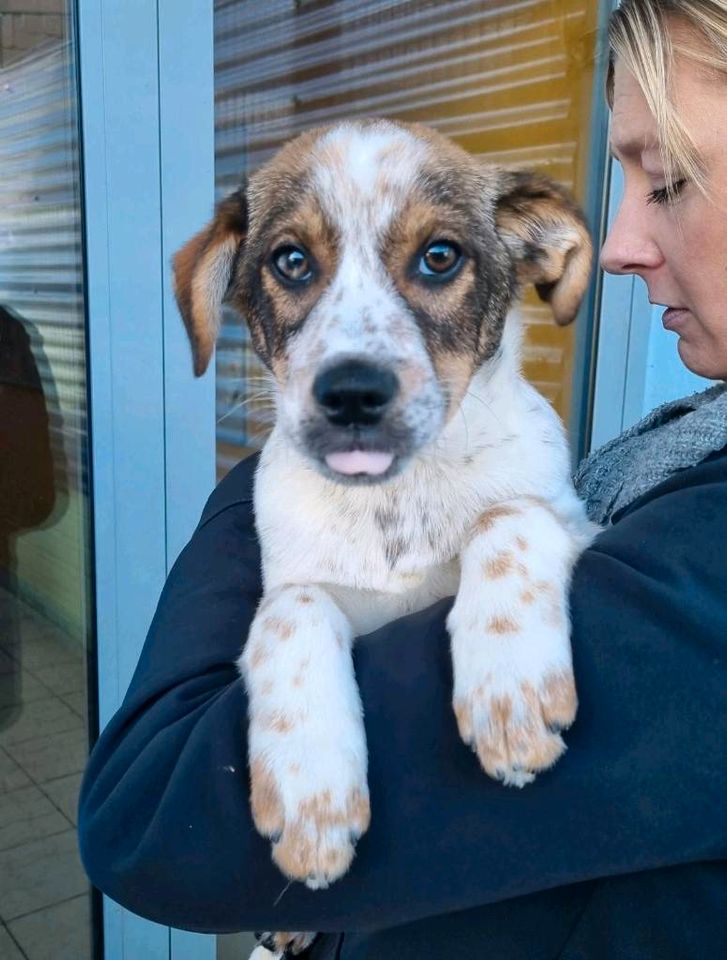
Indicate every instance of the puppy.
{"type": "Point", "coordinates": [377, 266]}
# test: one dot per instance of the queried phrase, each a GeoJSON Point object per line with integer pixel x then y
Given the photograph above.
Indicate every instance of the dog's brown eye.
{"type": "Point", "coordinates": [440, 259]}
{"type": "Point", "coordinates": [292, 264]}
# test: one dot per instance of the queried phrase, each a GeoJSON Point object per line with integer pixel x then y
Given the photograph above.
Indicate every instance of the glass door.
{"type": "Point", "coordinates": [47, 676]}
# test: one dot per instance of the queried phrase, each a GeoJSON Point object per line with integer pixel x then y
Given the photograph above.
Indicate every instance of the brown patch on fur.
{"type": "Point", "coordinates": [527, 597]}
{"type": "Point", "coordinates": [259, 656]}
{"type": "Point", "coordinates": [514, 741]}
{"type": "Point", "coordinates": [304, 598]}
{"type": "Point", "coordinates": [522, 543]}
{"type": "Point", "coordinates": [294, 768]}
{"type": "Point", "coordinates": [454, 372]}
{"type": "Point", "coordinates": [502, 625]}
{"type": "Point", "coordinates": [283, 629]}
{"type": "Point", "coordinates": [463, 714]}
{"type": "Point", "coordinates": [558, 699]}
{"type": "Point", "coordinates": [307, 848]}
{"type": "Point", "coordinates": [487, 520]}
{"type": "Point", "coordinates": [265, 802]}
{"type": "Point", "coordinates": [545, 588]}
{"type": "Point", "coordinates": [276, 721]}
{"type": "Point", "coordinates": [499, 565]}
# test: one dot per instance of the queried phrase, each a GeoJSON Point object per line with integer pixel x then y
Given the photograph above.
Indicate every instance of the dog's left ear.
{"type": "Point", "coordinates": [547, 237]}
{"type": "Point", "coordinates": [202, 274]}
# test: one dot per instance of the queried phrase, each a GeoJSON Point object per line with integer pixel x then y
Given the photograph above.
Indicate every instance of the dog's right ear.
{"type": "Point", "coordinates": [202, 274]}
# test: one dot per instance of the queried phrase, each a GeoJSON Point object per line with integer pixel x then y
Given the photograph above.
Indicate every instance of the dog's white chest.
{"type": "Point", "coordinates": [367, 610]}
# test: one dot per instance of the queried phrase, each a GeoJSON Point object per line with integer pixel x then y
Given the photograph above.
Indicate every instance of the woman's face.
{"type": "Point", "coordinates": [678, 248]}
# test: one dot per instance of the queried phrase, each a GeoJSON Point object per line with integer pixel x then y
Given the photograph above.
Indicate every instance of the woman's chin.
{"type": "Point", "coordinates": [700, 359]}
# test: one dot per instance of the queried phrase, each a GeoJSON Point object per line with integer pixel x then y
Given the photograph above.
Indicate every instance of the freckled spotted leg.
{"type": "Point", "coordinates": [510, 628]}
{"type": "Point", "coordinates": [306, 737]}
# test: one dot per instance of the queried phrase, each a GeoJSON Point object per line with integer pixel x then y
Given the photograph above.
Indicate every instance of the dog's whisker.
{"type": "Point", "coordinates": [260, 398]}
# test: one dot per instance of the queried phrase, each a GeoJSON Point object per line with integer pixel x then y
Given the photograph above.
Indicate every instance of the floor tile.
{"type": "Point", "coordinates": [42, 646]}
{"type": "Point", "coordinates": [12, 777]}
{"type": "Point", "coordinates": [40, 874]}
{"type": "Point", "coordinates": [8, 948]}
{"type": "Point", "coordinates": [28, 814]}
{"type": "Point", "coordinates": [64, 794]}
{"type": "Point", "coordinates": [63, 677]}
{"type": "Point", "coordinates": [39, 718]}
{"type": "Point", "coordinates": [23, 685]}
{"type": "Point", "coordinates": [61, 932]}
{"type": "Point", "coordinates": [78, 702]}
{"type": "Point", "coordinates": [47, 758]}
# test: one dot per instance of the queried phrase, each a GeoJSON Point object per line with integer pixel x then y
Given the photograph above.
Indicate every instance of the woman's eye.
{"type": "Point", "coordinates": [664, 195]}
{"type": "Point", "coordinates": [292, 264]}
{"type": "Point", "coordinates": [440, 259]}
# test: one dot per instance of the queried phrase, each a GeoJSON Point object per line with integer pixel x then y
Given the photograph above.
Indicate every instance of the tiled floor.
{"type": "Point", "coordinates": [44, 903]}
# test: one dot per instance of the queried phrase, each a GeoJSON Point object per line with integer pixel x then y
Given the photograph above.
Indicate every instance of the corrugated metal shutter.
{"type": "Point", "coordinates": [511, 81]}
{"type": "Point", "coordinates": [41, 277]}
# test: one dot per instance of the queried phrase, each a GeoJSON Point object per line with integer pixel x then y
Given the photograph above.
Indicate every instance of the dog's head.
{"type": "Point", "coordinates": [375, 263]}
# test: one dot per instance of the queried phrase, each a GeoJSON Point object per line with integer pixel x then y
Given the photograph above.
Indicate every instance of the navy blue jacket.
{"type": "Point", "coordinates": [615, 853]}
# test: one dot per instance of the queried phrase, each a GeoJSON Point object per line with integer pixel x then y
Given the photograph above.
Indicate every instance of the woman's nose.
{"type": "Point", "coordinates": [630, 246]}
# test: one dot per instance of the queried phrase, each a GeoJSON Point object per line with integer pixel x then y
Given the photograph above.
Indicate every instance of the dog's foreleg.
{"type": "Point", "coordinates": [510, 629]}
{"type": "Point", "coordinates": [307, 744]}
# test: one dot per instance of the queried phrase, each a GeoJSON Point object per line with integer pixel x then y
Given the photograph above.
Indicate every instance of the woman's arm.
{"type": "Point", "coordinates": [165, 826]}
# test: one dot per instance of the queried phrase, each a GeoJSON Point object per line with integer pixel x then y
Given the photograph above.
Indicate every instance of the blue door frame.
{"type": "Point", "coordinates": [147, 113]}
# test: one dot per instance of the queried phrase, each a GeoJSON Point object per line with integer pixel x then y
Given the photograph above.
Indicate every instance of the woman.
{"type": "Point", "coordinates": [615, 853]}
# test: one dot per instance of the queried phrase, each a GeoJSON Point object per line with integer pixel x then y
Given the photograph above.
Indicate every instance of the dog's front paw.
{"type": "Point", "coordinates": [514, 728]}
{"type": "Point", "coordinates": [284, 944]}
{"type": "Point", "coordinates": [314, 825]}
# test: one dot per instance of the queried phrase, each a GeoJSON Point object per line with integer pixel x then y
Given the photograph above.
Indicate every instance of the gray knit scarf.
{"type": "Point", "coordinates": [673, 437]}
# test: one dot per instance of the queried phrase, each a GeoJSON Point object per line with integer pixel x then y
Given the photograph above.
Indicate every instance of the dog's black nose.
{"type": "Point", "coordinates": [355, 393]}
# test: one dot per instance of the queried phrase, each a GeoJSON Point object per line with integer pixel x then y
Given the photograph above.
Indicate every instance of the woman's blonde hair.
{"type": "Point", "coordinates": [641, 36]}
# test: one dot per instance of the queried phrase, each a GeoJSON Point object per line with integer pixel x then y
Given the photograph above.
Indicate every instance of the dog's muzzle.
{"type": "Point", "coordinates": [354, 398]}
{"type": "Point", "coordinates": [355, 394]}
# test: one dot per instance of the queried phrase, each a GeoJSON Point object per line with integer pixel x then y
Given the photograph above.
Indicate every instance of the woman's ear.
{"type": "Point", "coordinates": [547, 236]}
{"type": "Point", "coordinates": [202, 274]}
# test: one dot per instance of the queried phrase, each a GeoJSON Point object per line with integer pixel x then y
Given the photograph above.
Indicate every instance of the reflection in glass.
{"type": "Point", "coordinates": [45, 600]}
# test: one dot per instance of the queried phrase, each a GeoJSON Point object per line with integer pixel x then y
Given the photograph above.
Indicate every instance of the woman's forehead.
{"type": "Point", "coordinates": [633, 126]}
{"type": "Point", "coordinates": [699, 97]}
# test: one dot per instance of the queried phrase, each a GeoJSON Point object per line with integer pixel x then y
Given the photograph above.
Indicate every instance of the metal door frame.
{"type": "Point", "coordinates": [147, 120]}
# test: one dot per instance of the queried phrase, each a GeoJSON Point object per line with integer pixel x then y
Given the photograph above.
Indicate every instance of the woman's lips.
{"type": "Point", "coordinates": [673, 317]}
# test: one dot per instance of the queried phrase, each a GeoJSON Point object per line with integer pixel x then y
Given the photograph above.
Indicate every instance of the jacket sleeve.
{"type": "Point", "coordinates": [165, 827]}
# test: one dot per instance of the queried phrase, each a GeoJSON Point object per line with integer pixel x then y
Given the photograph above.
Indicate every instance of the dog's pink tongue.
{"type": "Point", "coordinates": [360, 461]}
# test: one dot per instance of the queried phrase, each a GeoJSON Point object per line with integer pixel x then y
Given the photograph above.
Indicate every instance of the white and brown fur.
{"type": "Point", "coordinates": [477, 503]}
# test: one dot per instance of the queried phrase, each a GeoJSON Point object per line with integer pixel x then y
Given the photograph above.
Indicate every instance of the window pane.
{"type": "Point", "coordinates": [45, 601]}
{"type": "Point", "coordinates": [509, 81]}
